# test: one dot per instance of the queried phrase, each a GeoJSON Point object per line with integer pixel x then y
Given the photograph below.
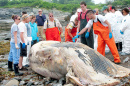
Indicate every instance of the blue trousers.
{"type": "Point", "coordinates": [14, 53]}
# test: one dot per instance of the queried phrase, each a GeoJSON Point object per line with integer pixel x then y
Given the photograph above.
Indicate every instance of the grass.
{"type": "Point", "coordinates": [4, 47]}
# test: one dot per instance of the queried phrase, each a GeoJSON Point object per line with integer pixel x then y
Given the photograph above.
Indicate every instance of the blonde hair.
{"type": "Point", "coordinates": [25, 16]}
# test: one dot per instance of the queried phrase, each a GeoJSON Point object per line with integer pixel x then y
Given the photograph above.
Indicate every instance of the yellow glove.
{"type": "Point", "coordinates": [62, 35]}
{"type": "Point", "coordinates": [44, 37]}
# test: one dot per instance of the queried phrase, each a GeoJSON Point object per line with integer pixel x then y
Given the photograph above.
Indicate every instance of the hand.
{"type": "Point", "coordinates": [73, 39]}
{"type": "Point", "coordinates": [16, 46]}
{"type": "Point", "coordinates": [87, 35]}
{"type": "Point", "coordinates": [62, 35]}
{"type": "Point", "coordinates": [37, 39]}
{"type": "Point", "coordinates": [44, 37]}
{"type": "Point", "coordinates": [23, 45]}
{"type": "Point", "coordinates": [110, 35]}
{"type": "Point", "coordinates": [121, 32]}
{"type": "Point", "coordinates": [77, 36]}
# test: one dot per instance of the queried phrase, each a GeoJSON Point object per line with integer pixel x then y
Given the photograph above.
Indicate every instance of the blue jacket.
{"type": "Point", "coordinates": [40, 20]}
{"type": "Point", "coordinates": [34, 30]}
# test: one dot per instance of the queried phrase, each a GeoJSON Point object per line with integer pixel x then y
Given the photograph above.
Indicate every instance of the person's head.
{"type": "Point", "coordinates": [113, 9]}
{"type": "Point", "coordinates": [125, 11]}
{"type": "Point", "coordinates": [90, 14]}
{"type": "Point", "coordinates": [40, 12]}
{"type": "Point", "coordinates": [26, 18]}
{"type": "Point", "coordinates": [97, 11]}
{"type": "Point", "coordinates": [79, 10]}
{"type": "Point", "coordinates": [76, 21]}
{"type": "Point", "coordinates": [33, 18]}
{"type": "Point", "coordinates": [51, 17]}
{"type": "Point", "coordinates": [16, 18]}
{"type": "Point", "coordinates": [105, 9]}
{"type": "Point", "coordinates": [24, 12]}
{"type": "Point", "coordinates": [83, 6]}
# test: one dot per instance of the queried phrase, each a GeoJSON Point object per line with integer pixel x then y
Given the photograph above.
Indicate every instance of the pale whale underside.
{"type": "Point", "coordinates": [79, 63]}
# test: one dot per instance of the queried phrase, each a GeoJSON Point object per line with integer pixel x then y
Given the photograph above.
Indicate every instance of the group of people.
{"type": "Point", "coordinates": [85, 25]}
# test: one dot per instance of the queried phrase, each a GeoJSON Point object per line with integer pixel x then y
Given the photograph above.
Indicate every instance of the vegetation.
{"type": "Point", "coordinates": [64, 5]}
{"type": "Point", "coordinates": [4, 48]}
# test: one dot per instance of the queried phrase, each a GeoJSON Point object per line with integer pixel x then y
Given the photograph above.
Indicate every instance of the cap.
{"type": "Point", "coordinates": [79, 10]}
{"type": "Point", "coordinates": [104, 8]}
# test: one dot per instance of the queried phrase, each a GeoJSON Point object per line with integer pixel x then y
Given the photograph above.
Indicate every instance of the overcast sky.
{"type": "Point", "coordinates": [99, 1]}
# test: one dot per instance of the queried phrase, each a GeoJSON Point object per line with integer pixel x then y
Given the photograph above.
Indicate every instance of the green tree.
{"type": "Point", "coordinates": [3, 2]}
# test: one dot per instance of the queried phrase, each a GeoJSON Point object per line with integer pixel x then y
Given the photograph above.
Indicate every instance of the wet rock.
{"type": "Point", "coordinates": [26, 79]}
{"type": "Point", "coordinates": [5, 67]}
{"type": "Point", "coordinates": [4, 82]}
{"type": "Point", "coordinates": [22, 83]}
{"type": "Point", "coordinates": [57, 84]}
{"type": "Point", "coordinates": [30, 84]}
{"type": "Point", "coordinates": [69, 85]}
{"type": "Point", "coordinates": [36, 83]}
{"type": "Point", "coordinates": [62, 81]}
{"type": "Point", "coordinates": [17, 78]}
{"type": "Point", "coordinates": [12, 83]}
{"type": "Point", "coordinates": [126, 60]}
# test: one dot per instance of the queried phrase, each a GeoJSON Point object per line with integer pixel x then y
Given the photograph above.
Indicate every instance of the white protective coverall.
{"type": "Point", "coordinates": [126, 36]}
{"type": "Point", "coordinates": [110, 18]}
{"type": "Point", "coordinates": [116, 26]}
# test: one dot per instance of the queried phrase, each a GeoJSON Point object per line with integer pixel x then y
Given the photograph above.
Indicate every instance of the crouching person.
{"type": "Point", "coordinates": [14, 53]}
{"type": "Point", "coordinates": [71, 30]}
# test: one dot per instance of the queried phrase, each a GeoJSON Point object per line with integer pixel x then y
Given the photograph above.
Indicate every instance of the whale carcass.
{"type": "Point", "coordinates": [77, 62]}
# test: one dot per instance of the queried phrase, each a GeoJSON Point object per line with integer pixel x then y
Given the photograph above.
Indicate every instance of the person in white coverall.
{"type": "Point", "coordinates": [117, 16]}
{"type": "Point", "coordinates": [109, 18]}
{"type": "Point", "coordinates": [125, 31]}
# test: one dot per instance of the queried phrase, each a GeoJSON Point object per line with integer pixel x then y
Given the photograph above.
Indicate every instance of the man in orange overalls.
{"type": "Point", "coordinates": [102, 28]}
{"type": "Point", "coordinates": [52, 29]}
{"type": "Point", "coordinates": [71, 30]}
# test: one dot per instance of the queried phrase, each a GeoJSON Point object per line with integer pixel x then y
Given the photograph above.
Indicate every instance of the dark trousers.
{"type": "Point", "coordinates": [119, 46]}
{"type": "Point", "coordinates": [88, 41]}
{"type": "Point", "coordinates": [33, 42]}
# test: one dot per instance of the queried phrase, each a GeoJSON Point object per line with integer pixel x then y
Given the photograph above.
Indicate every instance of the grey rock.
{"type": "Point", "coordinates": [17, 78]}
{"type": "Point", "coordinates": [26, 79]}
{"type": "Point", "coordinates": [13, 82]}
{"type": "Point", "coordinates": [36, 83]}
{"type": "Point", "coordinates": [126, 60]}
{"type": "Point", "coordinates": [57, 84]}
{"type": "Point", "coordinates": [30, 84]}
{"type": "Point", "coordinates": [4, 82]}
{"type": "Point", "coordinates": [22, 83]}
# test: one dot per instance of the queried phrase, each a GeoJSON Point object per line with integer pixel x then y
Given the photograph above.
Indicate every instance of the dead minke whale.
{"type": "Point", "coordinates": [77, 62]}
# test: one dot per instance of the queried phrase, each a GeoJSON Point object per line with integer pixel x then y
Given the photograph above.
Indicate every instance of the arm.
{"type": "Point", "coordinates": [109, 26]}
{"type": "Point", "coordinates": [15, 37]}
{"type": "Point", "coordinates": [60, 28]}
{"type": "Point", "coordinates": [21, 36]}
{"type": "Point", "coordinates": [83, 30]}
{"type": "Point", "coordinates": [78, 26]}
{"type": "Point", "coordinates": [69, 32]}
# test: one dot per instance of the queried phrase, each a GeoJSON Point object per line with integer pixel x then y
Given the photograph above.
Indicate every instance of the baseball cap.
{"type": "Point", "coordinates": [104, 8]}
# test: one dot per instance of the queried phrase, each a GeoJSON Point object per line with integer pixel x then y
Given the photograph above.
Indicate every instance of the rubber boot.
{"type": "Point", "coordinates": [10, 66]}
{"type": "Point", "coordinates": [17, 73]}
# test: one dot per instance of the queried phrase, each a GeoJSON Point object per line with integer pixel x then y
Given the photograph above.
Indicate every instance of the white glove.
{"type": "Point", "coordinates": [16, 46]}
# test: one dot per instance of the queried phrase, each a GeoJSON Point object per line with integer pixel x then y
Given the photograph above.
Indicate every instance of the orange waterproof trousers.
{"type": "Point", "coordinates": [103, 39]}
{"type": "Point", "coordinates": [53, 34]}
{"type": "Point", "coordinates": [73, 32]}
